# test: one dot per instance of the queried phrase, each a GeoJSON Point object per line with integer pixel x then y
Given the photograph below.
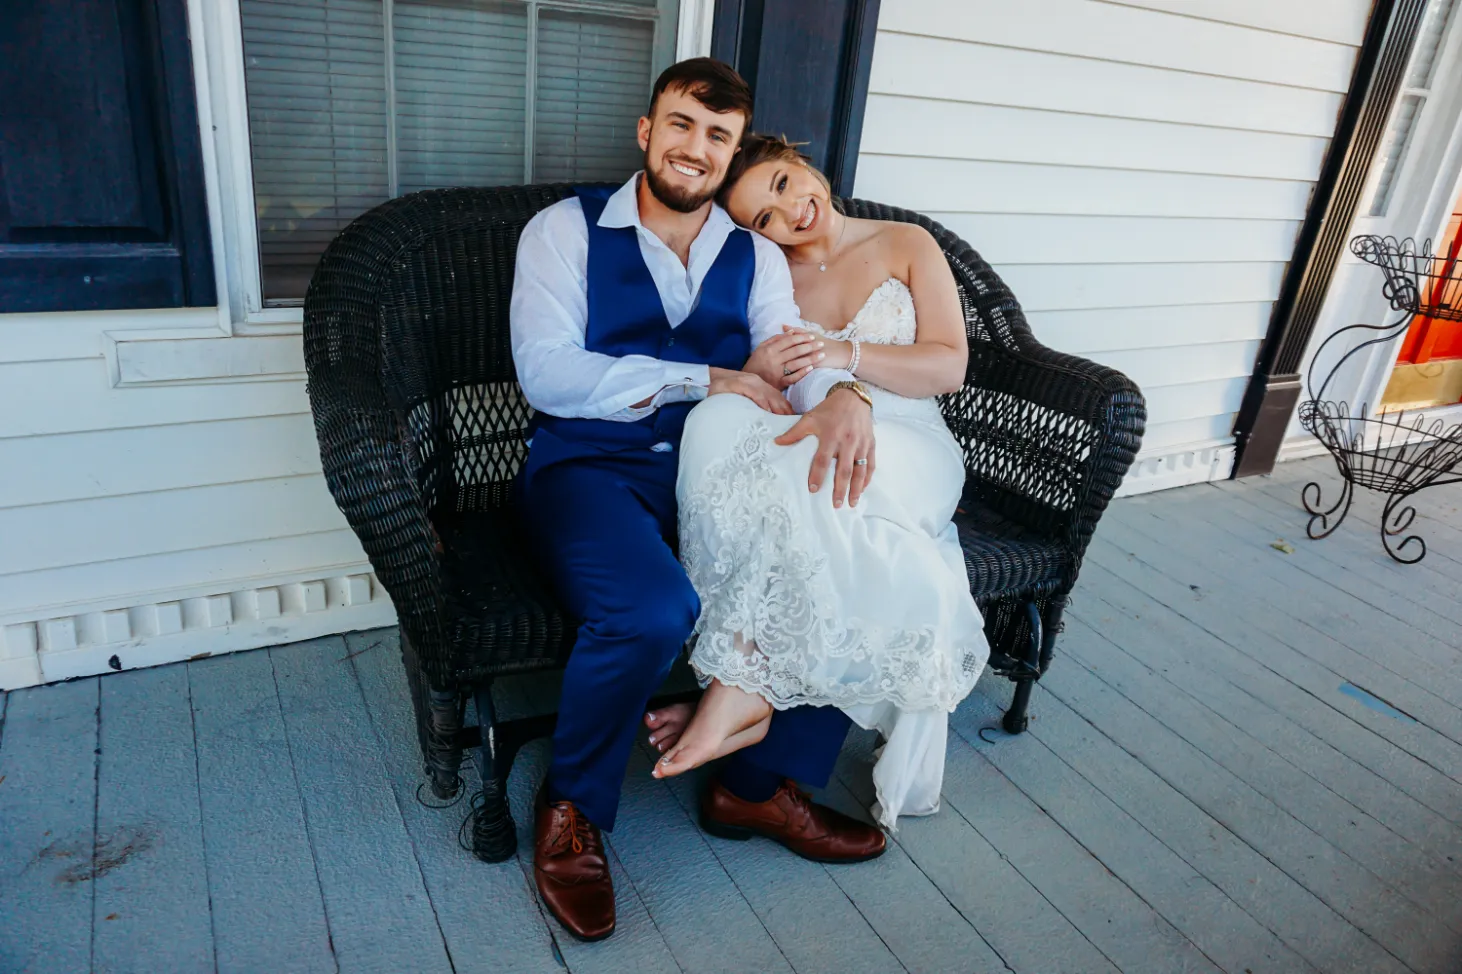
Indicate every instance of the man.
{"type": "Point", "coordinates": [627, 309]}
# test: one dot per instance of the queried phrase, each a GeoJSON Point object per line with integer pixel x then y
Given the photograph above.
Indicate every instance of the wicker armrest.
{"type": "Point", "coordinates": [367, 473]}
{"type": "Point", "coordinates": [1047, 437]}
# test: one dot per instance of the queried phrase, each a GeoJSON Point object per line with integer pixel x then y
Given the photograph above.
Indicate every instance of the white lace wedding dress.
{"type": "Point", "coordinates": [863, 608]}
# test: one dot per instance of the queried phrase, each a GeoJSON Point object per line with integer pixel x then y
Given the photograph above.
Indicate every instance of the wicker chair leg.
{"type": "Point", "coordinates": [439, 718]}
{"type": "Point", "coordinates": [442, 752]}
{"type": "Point", "coordinates": [1052, 626]}
{"type": "Point", "coordinates": [494, 836]}
{"type": "Point", "coordinates": [1015, 720]}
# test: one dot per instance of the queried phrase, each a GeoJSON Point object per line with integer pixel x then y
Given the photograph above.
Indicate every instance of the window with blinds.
{"type": "Point", "coordinates": [352, 102]}
{"type": "Point", "coordinates": [1415, 90]}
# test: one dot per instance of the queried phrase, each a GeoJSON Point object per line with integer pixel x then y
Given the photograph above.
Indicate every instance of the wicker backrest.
{"type": "Point", "coordinates": [437, 268]}
{"type": "Point", "coordinates": [432, 275]}
{"type": "Point", "coordinates": [1027, 433]}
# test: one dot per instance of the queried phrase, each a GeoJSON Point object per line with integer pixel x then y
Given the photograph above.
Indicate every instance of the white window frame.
{"type": "Point", "coordinates": [1427, 185]}
{"type": "Point", "coordinates": [218, 59]}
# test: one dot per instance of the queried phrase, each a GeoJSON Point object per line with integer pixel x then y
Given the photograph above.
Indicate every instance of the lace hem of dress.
{"type": "Point", "coordinates": [772, 622]}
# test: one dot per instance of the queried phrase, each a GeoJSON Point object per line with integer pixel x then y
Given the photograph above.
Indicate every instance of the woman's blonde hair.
{"type": "Point", "coordinates": [756, 149]}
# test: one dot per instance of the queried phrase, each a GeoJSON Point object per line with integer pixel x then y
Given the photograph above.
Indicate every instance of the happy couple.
{"type": "Point", "coordinates": [724, 365]}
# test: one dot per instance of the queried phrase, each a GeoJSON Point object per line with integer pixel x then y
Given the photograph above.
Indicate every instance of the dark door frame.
{"type": "Point", "coordinates": [1274, 389]}
{"type": "Point", "coordinates": [827, 45]}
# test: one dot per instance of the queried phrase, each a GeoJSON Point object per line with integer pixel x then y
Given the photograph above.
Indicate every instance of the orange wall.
{"type": "Point", "coordinates": [1428, 338]}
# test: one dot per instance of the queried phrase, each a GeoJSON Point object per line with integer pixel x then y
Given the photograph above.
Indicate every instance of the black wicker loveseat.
{"type": "Point", "coordinates": [421, 429]}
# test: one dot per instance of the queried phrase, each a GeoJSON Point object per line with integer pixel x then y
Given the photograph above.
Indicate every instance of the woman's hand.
{"type": "Point", "coordinates": [783, 359]}
{"type": "Point", "coordinates": [843, 425]}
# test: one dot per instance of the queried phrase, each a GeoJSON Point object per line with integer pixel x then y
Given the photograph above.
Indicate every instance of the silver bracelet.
{"type": "Point", "coordinates": [857, 356]}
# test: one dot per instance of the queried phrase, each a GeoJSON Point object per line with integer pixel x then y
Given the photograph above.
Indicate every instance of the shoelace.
{"type": "Point", "coordinates": [801, 801]}
{"type": "Point", "coordinates": [579, 829]}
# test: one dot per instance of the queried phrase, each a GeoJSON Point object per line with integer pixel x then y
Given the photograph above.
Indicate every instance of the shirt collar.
{"type": "Point", "coordinates": [622, 209]}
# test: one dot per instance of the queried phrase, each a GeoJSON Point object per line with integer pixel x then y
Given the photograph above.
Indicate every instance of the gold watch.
{"type": "Point", "coordinates": [856, 388]}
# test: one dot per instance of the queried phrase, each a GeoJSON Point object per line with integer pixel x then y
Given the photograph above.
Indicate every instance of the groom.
{"type": "Point", "coordinates": [628, 308]}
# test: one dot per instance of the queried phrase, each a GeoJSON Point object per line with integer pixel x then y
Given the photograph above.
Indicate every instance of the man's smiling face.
{"type": "Point", "coordinates": [688, 148]}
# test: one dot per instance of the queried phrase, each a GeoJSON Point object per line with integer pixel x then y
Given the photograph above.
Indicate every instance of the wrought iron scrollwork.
{"type": "Point", "coordinates": [1389, 453]}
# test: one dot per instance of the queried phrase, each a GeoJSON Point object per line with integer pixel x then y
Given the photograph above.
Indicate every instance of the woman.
{"type": "Point", "coordinates": [865, 607]}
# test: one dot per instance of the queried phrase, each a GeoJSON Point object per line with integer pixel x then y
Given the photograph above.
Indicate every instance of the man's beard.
{"type": "Point", "coordinates": [677, 199]}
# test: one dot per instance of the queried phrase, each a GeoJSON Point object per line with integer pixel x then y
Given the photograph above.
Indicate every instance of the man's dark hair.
{"type": "Point", "coordinates": [713, 83]}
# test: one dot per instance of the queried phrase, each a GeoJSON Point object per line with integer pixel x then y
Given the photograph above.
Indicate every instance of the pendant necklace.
{"type": "Point", "coordinates": [822, 264]}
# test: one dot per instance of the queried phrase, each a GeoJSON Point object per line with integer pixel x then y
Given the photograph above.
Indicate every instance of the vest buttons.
{"type": "Point", "coordinates": [670, 341]}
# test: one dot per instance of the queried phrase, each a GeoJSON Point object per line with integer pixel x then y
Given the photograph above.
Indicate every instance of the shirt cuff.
{"type": "Point", "coordinates": [686, 382]}
{"type": "Point", "coordinates": [806, 394]}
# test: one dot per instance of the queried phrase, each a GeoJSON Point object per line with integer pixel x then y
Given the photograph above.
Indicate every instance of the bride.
{"type": "Point", "coordinates": [806, 601]}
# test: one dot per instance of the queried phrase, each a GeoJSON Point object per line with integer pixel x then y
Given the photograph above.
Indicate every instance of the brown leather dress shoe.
{"type": "Point", "coordinates": [571, 870]}
{"type": "Point", "coordinates": [814, 832]}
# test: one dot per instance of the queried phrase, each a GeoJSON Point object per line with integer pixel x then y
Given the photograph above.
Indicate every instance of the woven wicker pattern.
{"type": "Point", "coordinates": [421, 430]}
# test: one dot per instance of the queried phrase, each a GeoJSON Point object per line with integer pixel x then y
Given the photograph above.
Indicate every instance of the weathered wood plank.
{"type": "Point", "coordinates": [266, 896]}
{"type": "Point", "coordinates": [1020, 924]}
{"type": "Point", "coordinates": [1255, 882]}
{"type": "Point", "coordinates": [1246, 653]}
{"type": "Point", "coordinates": [47, 828]}
{"type": "Point", "coordinates": [1173, 888]}
{"type": "Point", "coordinates": [151, 911]}
{"type": "Point", "coordinates": [1153, 634]}
{"type": "Point", "coordinates": [1357, 574]}
{"type": "Point", "coordinates": [1124, 928]}
{"type": "Point", "coordinates": [1437, 517]}
{"type": "Point", "coordinates": [1377, 641]}
{"type": "Point", "coordinates": [814, 922]}
{"type": "Point", "coordinates": [1420, 584]}
{"type": "Point", "coordinates": [913, 916]}
{"type": "Point", "coordinates": [1435, 738]}
{"type": "Point", "coordinates": [1388, 640]}
{"type": "Point", "coordinates": [1407, 869]}
{"type": "Point", "coordinates": [379, 913]}
{"type": "Point", "coordinates": [1414, 936]}
{"type": "Point", "coordinates": [485, 912]}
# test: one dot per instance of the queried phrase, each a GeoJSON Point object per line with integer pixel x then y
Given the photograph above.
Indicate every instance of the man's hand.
{"type": "Point", "coordinates": [783, 359]}
{"type": "Point", "coordinates": [752, 387]}
{"type": "Point", "coordinates": [843, 425]}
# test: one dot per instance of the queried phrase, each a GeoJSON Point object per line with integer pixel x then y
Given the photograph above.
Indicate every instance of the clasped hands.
{"type": "Point", "coordinates": [842, 423]}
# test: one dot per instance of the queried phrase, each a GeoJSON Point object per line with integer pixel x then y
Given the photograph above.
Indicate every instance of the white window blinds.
{"type": "Point", "coordinates": [1412, 101]}
{"type": "Point", "coordinates": [352, 102]}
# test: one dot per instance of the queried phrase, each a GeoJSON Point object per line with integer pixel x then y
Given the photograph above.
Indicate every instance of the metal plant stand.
{"type": "Point", "coordinates": [1390, 453]}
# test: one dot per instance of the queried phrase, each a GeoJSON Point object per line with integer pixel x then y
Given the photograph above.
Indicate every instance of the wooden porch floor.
{"type": "Point", "coordinates": [1211, 783]}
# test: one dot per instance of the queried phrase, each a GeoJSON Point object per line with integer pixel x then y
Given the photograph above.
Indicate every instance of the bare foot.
{"type": "Point", "coordinates": [727, 720]}
{"type": "Point", "coordinates": [667, 724]}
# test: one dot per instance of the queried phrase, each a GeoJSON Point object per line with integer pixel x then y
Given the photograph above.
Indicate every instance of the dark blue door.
{"type": "Point", "coordinates": [101, 188]}
{"type": "Point", "coordinates": [808, 63]}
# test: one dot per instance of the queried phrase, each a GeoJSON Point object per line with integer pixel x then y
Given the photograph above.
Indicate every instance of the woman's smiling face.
{"type": "Point", "coordinates": [783, 201]}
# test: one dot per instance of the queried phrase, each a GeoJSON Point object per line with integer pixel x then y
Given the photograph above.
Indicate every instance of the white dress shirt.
{"type": "Point", "coordinates": [549, 314]}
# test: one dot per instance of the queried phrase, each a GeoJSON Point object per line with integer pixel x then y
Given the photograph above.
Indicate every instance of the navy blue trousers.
{"type": "Point", "coordinates": [606, 530]}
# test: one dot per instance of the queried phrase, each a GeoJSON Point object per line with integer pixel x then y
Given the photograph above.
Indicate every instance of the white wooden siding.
{"type": "Point", "coordinates": [1137, 172]}
{"type": "Point", "coordinates": [76, 395]}
{"type": "Point", "coordinates": [122, 506]}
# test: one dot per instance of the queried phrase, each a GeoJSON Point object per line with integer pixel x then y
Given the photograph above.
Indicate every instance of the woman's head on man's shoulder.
{"type": "Point", "coordinates": [773, 189]}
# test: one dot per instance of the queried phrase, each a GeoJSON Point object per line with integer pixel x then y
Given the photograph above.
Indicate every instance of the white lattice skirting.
{"type": "Point", "coordinates": [1199, 465]}
{"type": "Point", "coordinates": [152, 633]}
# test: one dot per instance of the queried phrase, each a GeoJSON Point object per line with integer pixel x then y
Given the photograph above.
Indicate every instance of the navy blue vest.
{"type": "Point", "coordinates": [626, 317]}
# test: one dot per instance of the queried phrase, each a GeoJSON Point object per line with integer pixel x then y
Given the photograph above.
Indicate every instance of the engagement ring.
{"type": "Point", "coordinates": [786, 371]}
{"type": "Point", "coordinates": [860, 463]}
